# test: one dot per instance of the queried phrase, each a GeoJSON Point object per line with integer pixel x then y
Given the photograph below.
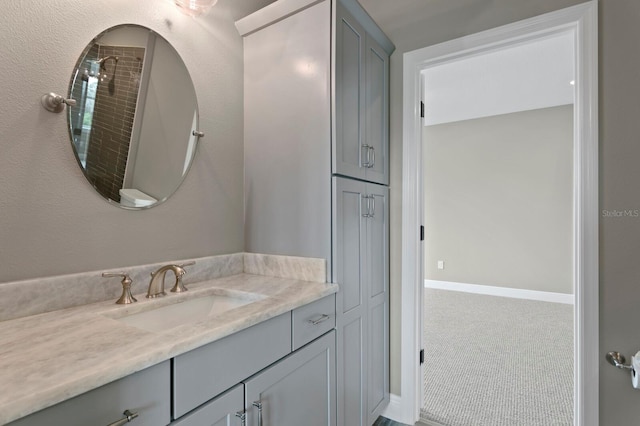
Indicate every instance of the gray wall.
{"type": "Point", "coordinates": [619, 32]}
{"type": "Point", "coordinates": [619, 177]}
{"type": "Point", "coordinates": [499, 200]}
{"type": "Point", "coordinates": [288, 149]}
{"type": "Point", "coordinates": [51, 220]}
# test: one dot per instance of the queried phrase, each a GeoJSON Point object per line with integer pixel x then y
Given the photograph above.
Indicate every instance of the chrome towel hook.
{"type": "Point", "coordinates": [55, 103]}
{"type": "Point", "coordinates": [617, 360]}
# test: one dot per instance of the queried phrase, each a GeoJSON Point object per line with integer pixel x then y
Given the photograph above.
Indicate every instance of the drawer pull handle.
{"type": "Point", "coordinates": [366, 163]}
{"type": "Point", "coordinates": [242, 416]}
{"type": "Point", "coordinates": [258, 405]}
{"type": "Point", "coordinates": [128, 416]}
{"type": "Point", "coordinates": [322, 318]}
{"type": "Point", "coordinates": [372, 163]}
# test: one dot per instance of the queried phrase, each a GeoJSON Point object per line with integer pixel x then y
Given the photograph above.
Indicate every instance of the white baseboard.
{"type": "Point", "coordinates": [395, 411]}
{"type": "Point", "coordinates": [516, 293]}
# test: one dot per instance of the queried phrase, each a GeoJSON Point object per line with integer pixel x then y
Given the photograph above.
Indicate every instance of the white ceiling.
{"type": "Point", "coordinates": [242, 8]}
{"type": "Point", "coordinates": [393, 15]}
{"type": "Point", "coordinates": [538, 75]}
{"type": "Point", "coordinates": [525, 77]}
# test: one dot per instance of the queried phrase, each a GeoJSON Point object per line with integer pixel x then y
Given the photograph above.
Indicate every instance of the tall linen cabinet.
{"type": "Point", "coordinates": [316, 82]}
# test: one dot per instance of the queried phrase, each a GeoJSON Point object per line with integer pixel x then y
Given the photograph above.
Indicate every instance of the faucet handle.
{"type": "Point", "coordinates": [179, 287]}
{"type": "Point", "coordinates": [126, 297]}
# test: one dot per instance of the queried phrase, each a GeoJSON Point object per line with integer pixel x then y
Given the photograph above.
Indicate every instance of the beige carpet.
{"type": "Point", "coordinates": [494, 361]}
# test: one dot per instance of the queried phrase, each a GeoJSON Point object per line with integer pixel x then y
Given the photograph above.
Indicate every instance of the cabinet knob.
{"type": "Point", "coordinates": [128, 416]}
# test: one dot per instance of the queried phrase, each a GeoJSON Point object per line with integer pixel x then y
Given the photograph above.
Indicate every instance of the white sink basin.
{"type": "Point", "coordinates": [186, 311]}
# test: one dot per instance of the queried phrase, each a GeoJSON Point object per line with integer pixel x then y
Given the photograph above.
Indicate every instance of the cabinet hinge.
{"type": "Point", "coordinates": [421, 232]}
{"type": "Point", "coordinates": [421, 109]}
{"type": "Point", "coordinates": [421, 356]}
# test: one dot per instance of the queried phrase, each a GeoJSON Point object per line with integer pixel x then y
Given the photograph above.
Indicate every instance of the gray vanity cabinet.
{"type": "Point", "coordinates": [361, 266]}
{"type": "Point", "coordinates": [299, 390]}
{"type": "Point", "coordinates": [146, 393]}
{"type": "Point", "coordinates": [361, 143]}
{"type": "Point", "coordinates": [205, 372]}
{"type": "Point", "coordinates": [289, 360]}
{"type": "Point", "coordinates": [316, 79]}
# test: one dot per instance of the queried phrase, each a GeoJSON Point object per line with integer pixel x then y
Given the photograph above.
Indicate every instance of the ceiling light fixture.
{"type": "Point", "coordinates": [195, 7]}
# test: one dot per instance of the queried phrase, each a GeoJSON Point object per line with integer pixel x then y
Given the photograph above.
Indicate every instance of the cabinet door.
{"type": "Point", "coordinates": [361, 268]}
{"type": "Point", "coordinates": [222, 411]}
{"type": "Point", "coordinates": [349, 272]}
{"type": "Point", "coordinates": [348, 152]}
{"type": "Point", "coordinates": [377, 289]}
{"type": "Point", "coordinates": [376, 94]}
{"type": "Point", "coordinates": [361, 142]}
{"type": "Point", "coordinates": [299, 390]}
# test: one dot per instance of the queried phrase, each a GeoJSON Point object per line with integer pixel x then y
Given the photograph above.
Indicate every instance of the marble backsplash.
{"type": "Point", "coordinates": [300, 268]}
{"type": "Point", "coordinates": [30, 297]}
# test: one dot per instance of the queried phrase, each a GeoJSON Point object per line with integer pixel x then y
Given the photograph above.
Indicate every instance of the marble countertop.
{"type": "Point", "coordinates": [51, 357]}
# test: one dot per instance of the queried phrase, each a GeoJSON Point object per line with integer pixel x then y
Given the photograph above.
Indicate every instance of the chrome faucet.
{"type": "Point", "coordinates": [156, 285]}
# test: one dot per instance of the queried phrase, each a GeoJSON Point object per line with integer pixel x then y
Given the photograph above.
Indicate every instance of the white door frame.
{"type": "Point", "coordinates": [582, 21]}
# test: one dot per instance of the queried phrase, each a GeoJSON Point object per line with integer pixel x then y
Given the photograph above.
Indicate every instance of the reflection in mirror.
{"type": "Point", "coordinates": [136, 112]}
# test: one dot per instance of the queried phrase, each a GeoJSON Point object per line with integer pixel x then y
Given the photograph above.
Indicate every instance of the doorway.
{"type": "Point", "coordinates": [497, 143]}
{"type": "Point", "coordinates": [581, 22]}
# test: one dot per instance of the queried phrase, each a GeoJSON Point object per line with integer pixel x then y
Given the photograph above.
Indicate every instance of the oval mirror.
{"type": "Point", "coordinates": [133, 128]}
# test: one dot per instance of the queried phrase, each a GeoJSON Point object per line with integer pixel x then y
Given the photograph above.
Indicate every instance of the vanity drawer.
{"type": "Point", "coordinates": [146, 393]}
{"type": "Point", "coordinates": [205, 372]}
{"type": "Point", "coordinates": [313, 320]}
{"type": "Point", "coordinates": [219, 411]}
